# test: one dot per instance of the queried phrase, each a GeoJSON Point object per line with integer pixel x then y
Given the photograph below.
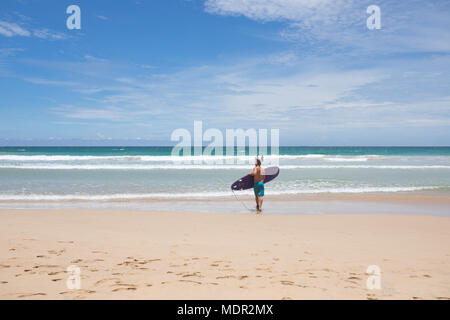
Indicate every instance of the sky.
{"type": "Point", "coordinates": [138, 70]}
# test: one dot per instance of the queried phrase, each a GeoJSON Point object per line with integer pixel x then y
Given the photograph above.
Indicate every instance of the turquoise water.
{"type": "Point", "coordinates": [129, 173]}
{"type": "Point", "coordinates": [166, 151]}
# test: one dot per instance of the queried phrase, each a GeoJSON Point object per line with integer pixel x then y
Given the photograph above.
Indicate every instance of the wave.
{"type": "Point", "coordinates": [210, 167]}
{"type": "Point", "coordinates": [201, 195]}
{"type": "Point", "coordinates": [144, 158]}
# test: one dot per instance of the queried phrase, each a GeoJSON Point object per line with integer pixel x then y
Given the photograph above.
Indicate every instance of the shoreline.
{"type": "Point", "coordinates": [154, 255]}
{"type": "Point", "coordinates": [422, 196]}
{"type": "Point", "coordinates": [374, 203]}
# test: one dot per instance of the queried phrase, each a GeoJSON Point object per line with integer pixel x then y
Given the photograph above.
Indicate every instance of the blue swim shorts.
{"type": "Point", "coordinates": [258, 188]}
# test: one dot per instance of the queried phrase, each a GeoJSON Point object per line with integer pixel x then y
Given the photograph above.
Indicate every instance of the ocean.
{"type": "Point", "coordinates": [140, 173]}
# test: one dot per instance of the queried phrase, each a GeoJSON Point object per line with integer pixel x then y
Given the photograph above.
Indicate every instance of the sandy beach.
{"type": "Point", "coordinates": [136, 137]}
{"type": "Point", "coordinates": [168, 255]}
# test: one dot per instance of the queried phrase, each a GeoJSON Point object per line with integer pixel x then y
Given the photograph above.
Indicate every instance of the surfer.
{"type": "Point", "coordinates": [258, 184]}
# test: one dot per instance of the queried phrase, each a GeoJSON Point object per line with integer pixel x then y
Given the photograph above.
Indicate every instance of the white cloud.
{"type": "Point", "coordinates": [47, 34]}
{"type": "Point", "coordinates": [270, 10]}
{"type": "Point", "coordinates": [12, 29]}
{"type": "Point", "coordinates": [301, 95]}
{"type": "Point", "coordinates": [94, 59]}
{"type": "Point", "coordinates": [9, 29]}
{"type": "Point", "coordinates": [52, 82]}
{"type": "Point", "coordinates": [329, 25]}
{"type": "Point", "coordinates": [253, 90]}
{"type": "Point", "coordinates": [110, 113]}
{"type": "Point", "coordinates": [278, 97]}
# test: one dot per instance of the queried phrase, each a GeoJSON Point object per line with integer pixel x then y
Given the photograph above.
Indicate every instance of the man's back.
{"type": "Point", "coordinates": [258, 174]}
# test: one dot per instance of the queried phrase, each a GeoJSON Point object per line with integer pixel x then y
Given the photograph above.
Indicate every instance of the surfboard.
{"type": "Point", "coordinates": [246, 182]}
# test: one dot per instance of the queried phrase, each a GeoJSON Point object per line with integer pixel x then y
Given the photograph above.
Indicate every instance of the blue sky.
{"type": "Point", "coordinates": [137, 70]}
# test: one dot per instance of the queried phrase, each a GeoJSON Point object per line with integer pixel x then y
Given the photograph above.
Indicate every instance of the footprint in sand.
{"type": "Point", "coordinates": [49, 266]}
{"type": "Point", "coordinates": [26, 295]}
{"type": "Point", "coordinates": [191, 281]}
{"type": "Point", "coordinates": [152, 260]}
{"type": "Point", "coordinates": [76, 261]}
{"type": "Point", "coordinates": [125, 289]}
{"type": "Point", "coordinates": [57, 252]}
{"type": "Point", "coordinates": [99, 282]}
{"type": "Point", "coordinates": [287, 283]}
{"type": "Point", "coordinates": [263, 269]}
{"type": "Point", "coordinates": [135, 263]}
{"type": "Point", "coordinates": [120, 284]}
{"type": "Point", "coordinates": [79, 291]}
{"type": "Point", "coordinates": [195, 274]}
{"type": "Point", "coordinates": [178, 265]}
{"type": "Point", "coordinates": [225, 277]}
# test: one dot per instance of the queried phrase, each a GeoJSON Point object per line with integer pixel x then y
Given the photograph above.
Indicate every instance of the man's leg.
{"type": "Point", "coordinates": [260, 198]}
{"type": "Point", "coordinates": [257, 202]}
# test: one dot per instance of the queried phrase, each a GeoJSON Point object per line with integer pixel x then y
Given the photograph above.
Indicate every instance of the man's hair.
{"type": "Point", "coordinates": [258, 162]}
